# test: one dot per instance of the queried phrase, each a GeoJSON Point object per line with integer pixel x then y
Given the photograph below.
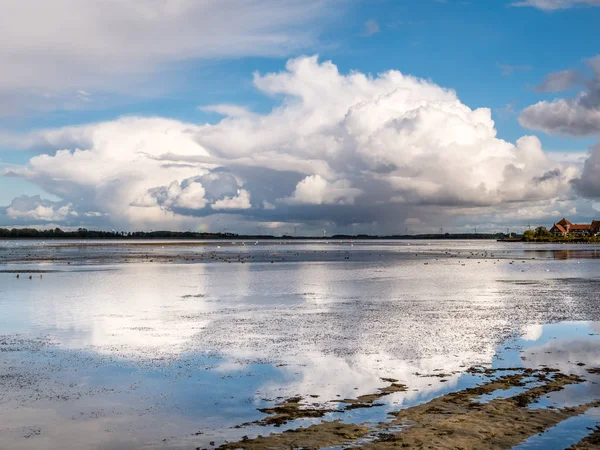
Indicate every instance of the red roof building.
{"type": "Point", "coordinates": [564, 228]}
{"type": "Point", "coordinates": [558, 230]}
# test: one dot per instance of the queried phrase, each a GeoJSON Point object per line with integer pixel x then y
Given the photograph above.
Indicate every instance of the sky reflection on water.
{"type": "Point", "coordinates": [152, 354]}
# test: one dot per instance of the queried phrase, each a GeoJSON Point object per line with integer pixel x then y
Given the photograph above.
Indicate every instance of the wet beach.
{"type": "Point", "coordinates": [315, 344]}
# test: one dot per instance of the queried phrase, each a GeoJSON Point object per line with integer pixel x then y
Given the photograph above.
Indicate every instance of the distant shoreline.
{"type": "Point", "coordinates": [262, 238]}
{"type": "Point", "coordinates": [85, 234]}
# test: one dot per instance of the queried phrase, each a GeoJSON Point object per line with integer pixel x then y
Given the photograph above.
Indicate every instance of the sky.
{"type": "Point", "coordinates": [336, 116]}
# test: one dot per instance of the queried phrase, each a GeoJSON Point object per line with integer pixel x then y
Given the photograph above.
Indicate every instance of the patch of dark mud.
{"type": "Point", "coordinates": [297, 408]}
{"type": "Point", "coordinates": [369, 400]}
{"type": "Point", "coordinates": [290, 409]}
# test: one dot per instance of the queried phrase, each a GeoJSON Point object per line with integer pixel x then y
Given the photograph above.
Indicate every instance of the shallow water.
{"type": "Point", "coordinates": [134, 346]}
{"type": "Point", "coordinates": [565, 434]}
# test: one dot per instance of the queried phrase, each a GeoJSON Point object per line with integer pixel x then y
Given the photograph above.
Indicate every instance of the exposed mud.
{"type": "Point", "coordinates": [454, 420]}
{"type": "Point", "coordinates": [325, 434]}
{"type": "Point", "coordinates": [368, 400]}
{"type": "Point", "coordinates": [297, 408]}
{"type": "Point", "coordinates": [289, 410]}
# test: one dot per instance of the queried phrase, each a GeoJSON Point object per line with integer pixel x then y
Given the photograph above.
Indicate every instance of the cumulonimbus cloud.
{"type": "Point", "coordinates": [338, 147]}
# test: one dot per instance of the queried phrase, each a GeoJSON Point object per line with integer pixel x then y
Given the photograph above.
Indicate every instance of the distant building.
{"type": "Point", "coordinates": [564, 228]}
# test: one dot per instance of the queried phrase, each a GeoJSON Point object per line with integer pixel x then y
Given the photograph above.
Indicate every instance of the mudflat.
{"type": "Point", "coordinates": [299, 344]}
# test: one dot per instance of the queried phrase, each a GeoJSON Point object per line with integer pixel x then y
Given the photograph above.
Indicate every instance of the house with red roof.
{"type": "Point", "coordinates": [563, 228]}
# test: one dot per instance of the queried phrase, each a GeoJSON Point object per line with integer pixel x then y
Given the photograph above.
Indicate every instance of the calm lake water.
{"type": "Point", "coordinates": [174, 345]}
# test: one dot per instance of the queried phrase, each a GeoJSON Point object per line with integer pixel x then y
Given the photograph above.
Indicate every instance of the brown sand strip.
{"type": "Point", "coordinates": [449, 422]}
{"type": "Point", "coordinates": [454, 421]}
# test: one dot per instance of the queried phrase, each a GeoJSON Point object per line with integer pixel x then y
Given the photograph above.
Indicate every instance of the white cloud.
{"type": "Point", "coordinates": [315, 190]}
{"type": "Point", "coordinates": [227, 110]}
{"type": "Point", "coordinates": [508, 69]}
{"type": "Point", "coordinates": [109, 166]}
{"type": "Point", "coordinates": [192, 197]}
{"type": "Point", "coordinates": [551, 5]}
{"type": "Point", "coordinates": [339, 147]}
{"type": "Point", "coordinates": [188, 195]}
{"type": "Point", "coordinates": [576, 158]}
{"type": "Point", "coordinates": [60, 52]}
{"type": "Point", "coordinates": [576, 116]}
{"type": "Point", "coordinates": [371, 27]}
{"type": "Point", "coordinates": [35, 209]}
{"type": "Point", "coordinates": [240, 201]}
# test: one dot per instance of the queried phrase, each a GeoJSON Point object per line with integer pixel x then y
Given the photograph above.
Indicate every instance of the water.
{"type": "Point", "coordinates": [565, 434]}
{"type": "Point", "coordinates": [174, 345]}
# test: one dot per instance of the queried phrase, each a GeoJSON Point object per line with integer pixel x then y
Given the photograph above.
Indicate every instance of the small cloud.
{"type": "Point", "coordinates": [578, 115]}
{"type": "Point", "coordinates": [552, 5]}
{"type": "Point", "coordinates": [510, 109]}
{"type": "Point", "coordinates": [227, 110]}
{"type": "Point", "coordinates": [508, 70]}
{"type": "Point", "coordinates": [36, 209]}
{"type": "Point", "coordinates": [371, 27]}
{"type": "Point", "coordinates": [84, 96]}
{"type": "Point", "coordinates": [398, 24]}
{"type": "Point", "coordinates": [241, 201]}
{"type": "Point", "coordinates": [560, 81]}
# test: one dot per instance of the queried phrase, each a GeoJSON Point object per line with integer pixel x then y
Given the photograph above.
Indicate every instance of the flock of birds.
{"type": "Point", "coordinates": [30, 276]}
{"type": "Point", "coordinates": [281, 255]}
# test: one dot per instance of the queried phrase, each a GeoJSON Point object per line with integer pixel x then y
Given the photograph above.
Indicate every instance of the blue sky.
{"type": "Point", "coordinates": [492, 53]}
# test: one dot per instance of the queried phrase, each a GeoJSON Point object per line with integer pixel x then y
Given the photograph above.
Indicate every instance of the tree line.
{"type": "Point", "coordinates": [84, 233]}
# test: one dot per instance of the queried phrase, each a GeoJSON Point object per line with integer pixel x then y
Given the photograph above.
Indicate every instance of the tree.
{"type": "Point", "coordinates": [529, 235]}
{"type": "Point", "coordinates": [542, 232]}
